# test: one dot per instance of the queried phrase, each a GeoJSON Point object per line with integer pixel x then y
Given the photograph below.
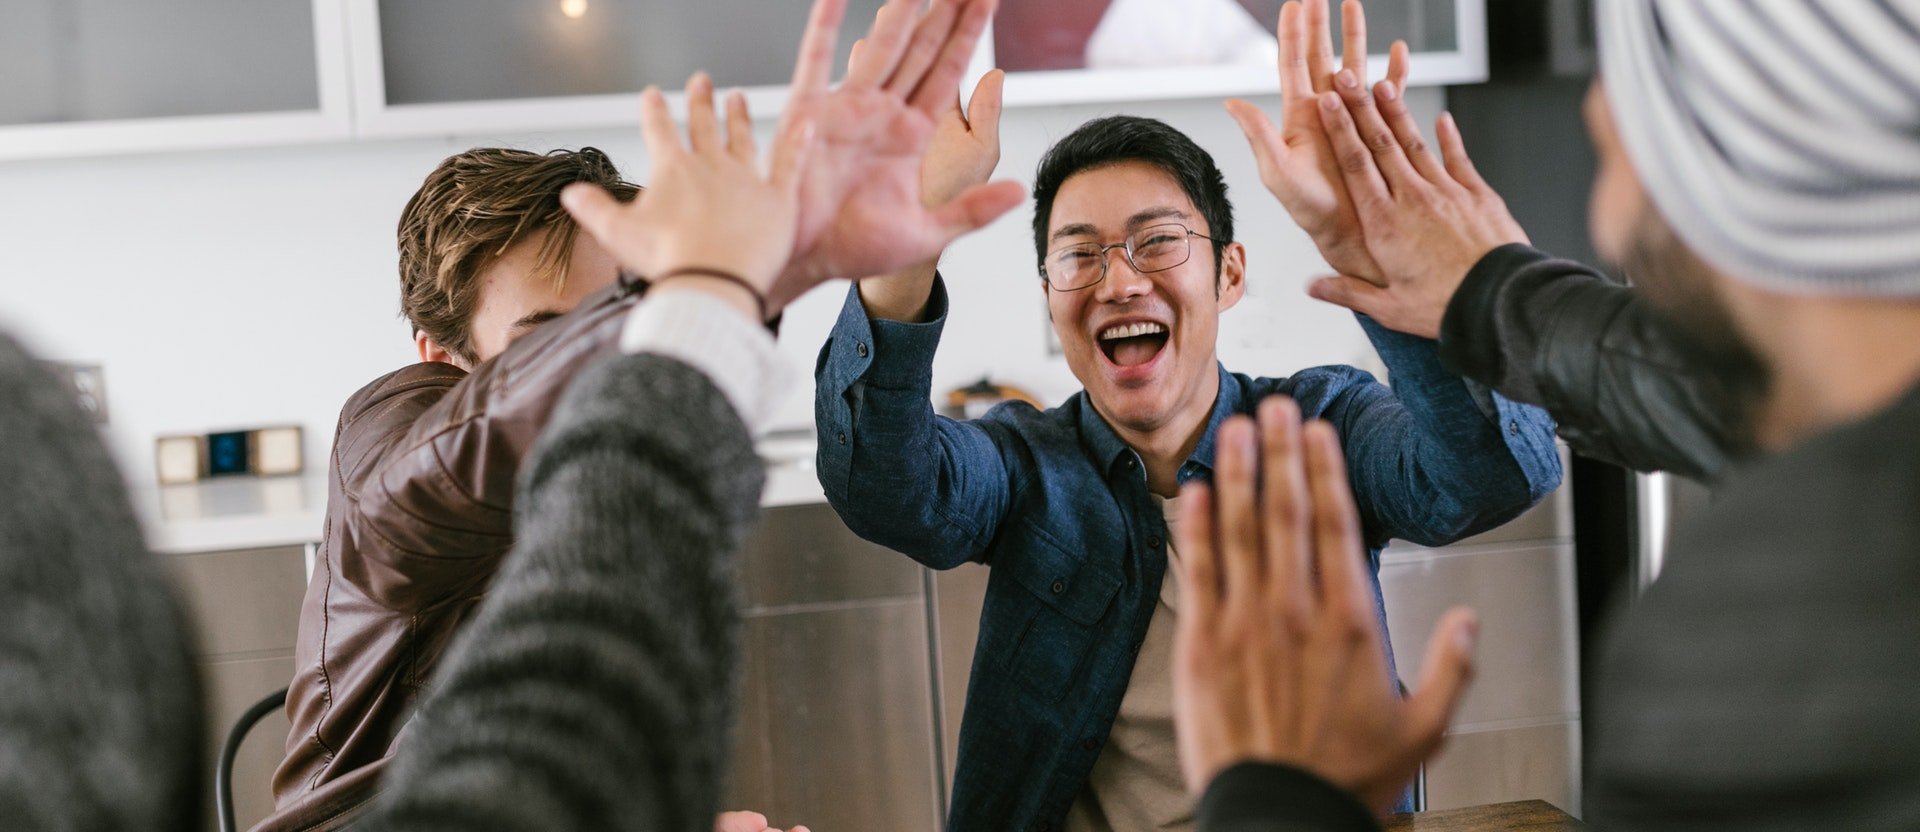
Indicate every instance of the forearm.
{"type": "Point", "coordinates": [1444, 457]}
{"type": "Point", "coordinates": [1623, 382]}
{"type": "Point", "coordinates": [902, 296]}
{"type": "Point", "coordinates": [899, 474]}
{"type": "Point", "coordinates": [595, 687]}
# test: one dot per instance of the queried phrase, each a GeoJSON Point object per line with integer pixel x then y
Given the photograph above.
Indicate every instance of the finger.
{"type": "Point", "coordinates": [929, 35]}
{"type": "Point", "coordinates": [1199, 556]}
{"type": "Point", "coordinates": [1454, 149]}
{"type": "Point", "coordinates": [740, 129]}
{"type": "Point", "coordinates": [1406, 131]}
{"type": "Point", "coordinates": [1357, 166]}
{"type": "Point", "coordinates": [1320, 65]}
{"type": "Point", "coordinates": [984, 106]}
{"type": "Point", "coordinates": [1296, 82]}
{"type": "Point", "coordinates": [656, 127]}
{"type": "Point", "coordinates": [892, 25]}
{"type": "Point", "coordinates": [1236, 512]}
{"type": "Point", "coordinates": [1285, 513]}
{"type": "Point", "coordinates": [1444, 675]}
{"type": "Point", "coordinates": [813, 68]}
{"type": "Point", "coordinates": [943, 79]}
{"type": "Point", "coordinates": [1339, 551]}
{"type": "Point", "coordinates": [1353, 32]}
{"type": "Point", "coordinates": [1398, 64]}
{"type": "Point", "coordinates": [790, 151]}
{"type": "Point", "coordinates": [974, 208]}
{"type": "Point", "coordinates": [1352, 293]}
{"type": "Point", "coordinates": [703, 129]}
{"type": "Point", "coordinates": [1373, 130]}
{"type": "Point", "coordinates": [1269, 147]}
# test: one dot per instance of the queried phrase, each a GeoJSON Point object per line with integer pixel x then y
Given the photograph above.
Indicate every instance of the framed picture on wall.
{"type": "Point", "coordinates": [1072, 51]}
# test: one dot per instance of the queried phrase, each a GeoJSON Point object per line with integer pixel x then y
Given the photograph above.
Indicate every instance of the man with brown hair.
{"type": "Point", "coordinates": [424, 462]}
{"type": "Point", "coordinates": [417, 518]}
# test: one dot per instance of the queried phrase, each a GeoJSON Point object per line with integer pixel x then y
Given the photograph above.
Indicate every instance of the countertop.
{"type": "Point", "coordinates": [263, 512]}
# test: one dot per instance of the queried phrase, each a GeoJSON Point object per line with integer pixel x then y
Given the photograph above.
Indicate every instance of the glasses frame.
{"type": "Point", "coordinates": [1126, 247]}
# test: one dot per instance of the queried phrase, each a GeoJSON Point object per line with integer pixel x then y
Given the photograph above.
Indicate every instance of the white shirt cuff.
{"type": "Point", "coordinates": [733, 350]}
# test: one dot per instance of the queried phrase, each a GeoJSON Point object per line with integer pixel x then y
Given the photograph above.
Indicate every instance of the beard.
{"type": "Point", "coordinates": [1685, 290]}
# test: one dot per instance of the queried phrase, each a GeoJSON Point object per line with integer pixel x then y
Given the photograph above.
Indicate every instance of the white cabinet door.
{"type": "Point", "coordinates": [445, 67]}
{"type": "Point", "coordinates": [115, 76]}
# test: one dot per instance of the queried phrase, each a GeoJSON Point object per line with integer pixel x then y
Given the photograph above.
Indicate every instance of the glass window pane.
{"type": "Point", "coordinates": [89, 60]}
{"type": "Point", "coordinates": [478, 50]}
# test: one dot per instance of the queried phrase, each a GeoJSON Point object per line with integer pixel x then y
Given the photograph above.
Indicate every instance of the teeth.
{"type": "Point", "coordinates": [1132, 330]}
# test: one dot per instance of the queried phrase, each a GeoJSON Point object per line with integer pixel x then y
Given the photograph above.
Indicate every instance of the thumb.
{"type": "Point", "coordinates": [1269, 149]}
{"type": "Point", "coordinates": [983, 107]}
{"type": "Point", "coordinates": [977, 206]}
{"type": "Point", "coordinates": [1444, 675]}
{"type": "Point", "coordinates": [1351, 292]}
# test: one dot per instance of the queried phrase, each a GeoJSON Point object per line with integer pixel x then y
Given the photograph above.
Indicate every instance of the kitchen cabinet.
{"type": "Point", "coordinates": [90, 77]}
{"type": "Point", "coordinates": [444, 67]}
{"type": "Point", "coordinates": [106, 76]}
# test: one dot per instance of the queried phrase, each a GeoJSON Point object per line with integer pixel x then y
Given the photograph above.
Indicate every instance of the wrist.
{"type": "Point", "coordinates": [736, 295]}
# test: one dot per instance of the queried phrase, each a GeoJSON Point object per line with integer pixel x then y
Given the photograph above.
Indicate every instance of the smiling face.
{"type": "Point", "coordinates": [1141, 344]}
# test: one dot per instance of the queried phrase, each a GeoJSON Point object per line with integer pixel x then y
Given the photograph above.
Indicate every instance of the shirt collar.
{"type": "Point", "coordinates": [1107, 449]}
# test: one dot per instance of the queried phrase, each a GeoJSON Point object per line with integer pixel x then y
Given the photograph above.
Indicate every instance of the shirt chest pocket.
{"type": "Point", "coordinates": [1067, 594]}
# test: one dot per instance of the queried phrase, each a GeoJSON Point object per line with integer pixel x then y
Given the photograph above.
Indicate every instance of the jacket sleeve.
{"type": "Point", "coordinates": [1436, 457]}
{"type": "Point", "coordinates": [595, 686]}
{"type": "Point", "coordinates": [1624, 382]}
{"type": "Point", "coordinates": [1263, 797]}
{"type": "Point", "coordinates": [428, 493]}
{"type": "Point", "coordinates": [900, 475]}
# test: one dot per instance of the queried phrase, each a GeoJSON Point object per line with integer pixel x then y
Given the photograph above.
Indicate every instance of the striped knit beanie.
{"type": "Point", "coordinates": [1780, 138]}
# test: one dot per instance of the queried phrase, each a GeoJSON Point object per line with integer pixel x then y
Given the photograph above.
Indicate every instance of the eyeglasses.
{"type": "Point", "coordinates": [1155, 248]}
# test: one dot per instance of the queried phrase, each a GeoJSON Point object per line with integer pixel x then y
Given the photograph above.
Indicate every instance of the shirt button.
{"type": "Point", "coordinates": [843, 437]}
{"type": "Point", "coordinates": [1513, 428]}
{"type": "Point", "coordinates": [1090, 744]}
{"type": "Point", "coordinates": [1153, 542]}
{"type": "Point", "coordinates": [1137, 645]}
{"type": "Point", "coordinates": [1130, 463]}
{"type": "Point", "coordinates": [1045, 826]}
{"type": "Point", "coordinates": [1059, 587]}
{"type": "Point", "coordinates": [861, 348]}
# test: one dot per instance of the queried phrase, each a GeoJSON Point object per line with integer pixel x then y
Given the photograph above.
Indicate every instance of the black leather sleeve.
{"type": "Point", "coordinates": [1263, 797]}
{"type": "Point", "coordinates": [1621, 380]}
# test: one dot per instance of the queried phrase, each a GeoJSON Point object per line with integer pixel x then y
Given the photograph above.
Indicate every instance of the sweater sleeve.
{"type": "Point", "coordinates": [1624, 383]}
{"type": "Point", "coordinates": [1265, 797]}
{"type": "Point", "coordinates": [99, 713]}
{"type": "Point", "coordinates": [595, 687]}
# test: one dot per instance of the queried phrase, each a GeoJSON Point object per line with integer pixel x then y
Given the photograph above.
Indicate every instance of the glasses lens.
{"type": "Point", "coordinates": [1160, 247]}
{"type": "Point", "coordinates": [1073, 267]}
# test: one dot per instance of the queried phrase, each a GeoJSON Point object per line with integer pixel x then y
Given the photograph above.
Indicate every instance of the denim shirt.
{"type": "Point", "coordinates": [1057, 505]}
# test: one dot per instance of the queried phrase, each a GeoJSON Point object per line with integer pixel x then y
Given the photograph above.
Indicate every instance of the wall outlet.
{"type": "Point", "coordinates": [89, 385]}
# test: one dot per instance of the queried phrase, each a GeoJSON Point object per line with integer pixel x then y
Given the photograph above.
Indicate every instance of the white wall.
{"type": "Point", "coordinates": [258, 287]}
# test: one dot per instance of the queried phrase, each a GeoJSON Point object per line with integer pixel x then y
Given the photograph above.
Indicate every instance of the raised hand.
{"type": "Point", "coordinates": [1277, 654]}
{"type": "Point", "coordinates": [1296, 161]}
{"type": "Point", "coordinates": [863, 211]}
{"type": "Point", "coordinates": [1426, 221]}
{"type": "Point", "coordinates": [709, 205]}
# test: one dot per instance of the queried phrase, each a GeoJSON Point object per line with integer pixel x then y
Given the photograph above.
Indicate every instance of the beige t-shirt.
{"type": "Point", "coordinates": [1136, 784]}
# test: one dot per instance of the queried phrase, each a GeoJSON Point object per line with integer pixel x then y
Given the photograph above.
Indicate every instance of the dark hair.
{"type": "Point", "coordinates": [1115, 139]}
{"type": "Point", "coordinates": [474, 207]}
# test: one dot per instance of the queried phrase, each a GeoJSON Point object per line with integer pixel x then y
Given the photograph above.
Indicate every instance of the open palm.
{"type": "Point", "coordinates": [1295, 158]}
{"type": "Point", "coordinates": [862, 210]}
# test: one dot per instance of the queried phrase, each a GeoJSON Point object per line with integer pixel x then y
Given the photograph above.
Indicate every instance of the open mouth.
{"type": "Point", "coordinates": [1131, 345]}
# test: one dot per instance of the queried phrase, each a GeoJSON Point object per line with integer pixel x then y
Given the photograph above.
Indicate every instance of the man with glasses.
{"type": "Point", "coordinates": [1068, 722]}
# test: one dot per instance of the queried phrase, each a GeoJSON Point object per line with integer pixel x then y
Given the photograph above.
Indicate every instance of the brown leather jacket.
{"type": "Point", "coordinates": [419, 515]}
